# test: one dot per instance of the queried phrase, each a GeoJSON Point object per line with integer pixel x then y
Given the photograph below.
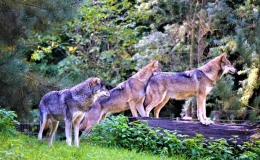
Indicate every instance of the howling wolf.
{"type": "Point", "coordinates": [198, 82]}
{"type": "Point", "coordinates": [69, 105]}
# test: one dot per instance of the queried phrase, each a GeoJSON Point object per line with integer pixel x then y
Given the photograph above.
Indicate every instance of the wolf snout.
{"type": "Point", "coordinates": [233, 71]}
{"type": "Point", "coordinates": [107, 94]}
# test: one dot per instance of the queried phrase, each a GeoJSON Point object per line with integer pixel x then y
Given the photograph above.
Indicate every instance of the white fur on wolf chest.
{"type": "Point", "coordinates": [209, 88]}
{"type": "Point", "coordinates": [98, 94]}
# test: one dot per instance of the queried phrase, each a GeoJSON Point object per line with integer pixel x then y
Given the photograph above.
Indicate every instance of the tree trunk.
{"type": "Point", "coordinates": [192, 50]}
{"type": "Point", "coordinates": [190, 111]}
{"type": "Point", "coordinates": [203, 3]}
{"type": "Point", "coordinates": [243, 132]}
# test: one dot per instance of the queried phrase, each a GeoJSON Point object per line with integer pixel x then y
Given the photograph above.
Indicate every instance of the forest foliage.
{"type": "Point", "coordinates": [112, 39]}
{"type": "Point", "coordinates": [119, 132]}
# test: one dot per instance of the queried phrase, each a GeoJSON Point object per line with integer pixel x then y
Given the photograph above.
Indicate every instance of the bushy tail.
{"type": "Point", "coordinates": [147, 100]}
{"type": "Point", "coordinates": [41, 114]}
{"type": "Point", "coordinates": [46, 127]}
{"type": "Point", "coordinates": [148, 96]}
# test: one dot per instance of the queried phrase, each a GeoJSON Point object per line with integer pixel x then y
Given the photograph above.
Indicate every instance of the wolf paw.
{"type": "Point", "coordinates": [203, 122]}
{"type": "Point", "coordinates": [187, 118]}
{"type": "Point", "coordinates": [207, 121]}
{"type": "Point", "coordinates": [39, 138]}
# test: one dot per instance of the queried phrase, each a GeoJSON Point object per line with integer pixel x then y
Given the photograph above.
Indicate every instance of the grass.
{"type": "Point", "coordinates": [24, 147]}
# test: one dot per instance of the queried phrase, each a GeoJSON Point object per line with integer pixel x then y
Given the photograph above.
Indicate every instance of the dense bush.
{"type": "Point", "coordinates": [7, 121]}
{"type": "Point", "coordinates": [116, 131]}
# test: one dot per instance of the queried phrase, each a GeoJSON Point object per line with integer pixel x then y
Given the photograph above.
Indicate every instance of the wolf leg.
{"type": "Point", "coordinates": [68, 128]}
{"type": "Point", "coordinates": [53, 130]}
{"type": "Point", "coordinates": [132, 106]}
{"type": "Point", "coordinates": [87, 130]}
{"type": "Point", "coordinates": [158, 108]}
{"type": "Point", "coordinates": [200, 101]}
{"type": "Point", "coordinates": [208, 120]}
{"type": "Point", "coordinates": [76, 134]}
{"type": "Point", "coordinates": [153, 104]}
{"type": "Point", "coordinates": [90, 125]}
{"type": "Point", "coordinates": [149, 108]}
{"type": "Point", "coordinates": [140, 107]}
{"type": "Point", "coordinates": [43, 120]}
{"type": "Point", "coordinates": [76, 124]}
{"type": "Point", "coordinates": [155, 100]}
{"type": "Point", "coordinates": [84, 125]}
{"type": "Point", "coordinates": [92, 120]}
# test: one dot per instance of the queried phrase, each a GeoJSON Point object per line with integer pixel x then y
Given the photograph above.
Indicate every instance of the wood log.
{"type": "Point", "coordinates": [243, 132]}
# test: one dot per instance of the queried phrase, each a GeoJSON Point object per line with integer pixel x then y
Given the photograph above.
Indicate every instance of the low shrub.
{"type": "Point", "coordinates": [117, 131]}
{"type": "Point", "coordinates": [7, 121]}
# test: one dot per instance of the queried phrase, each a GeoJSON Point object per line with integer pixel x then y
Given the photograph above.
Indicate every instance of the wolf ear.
{"type": "Point", "coordinates": [155, 64]}
{"type": "Point", "coordinates": [223, 56]}
{"type": "Point", "coordinates": [96, 81]}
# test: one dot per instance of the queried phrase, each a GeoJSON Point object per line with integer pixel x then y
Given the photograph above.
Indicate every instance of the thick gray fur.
{"type": "Point", "coordinates": [69, 105]}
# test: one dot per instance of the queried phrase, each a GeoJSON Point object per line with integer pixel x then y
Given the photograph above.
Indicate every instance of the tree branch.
{"type": "Point", "coordinates": [29, 4]}
{"type": "Point", "coordinates": [9, 58]}
{"type": "Point", "coordinates": [37, 6]}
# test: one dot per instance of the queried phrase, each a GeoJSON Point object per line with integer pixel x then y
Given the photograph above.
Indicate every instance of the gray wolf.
{"type": "Point", "coordinates": [69, 105]}
{"type": "Point", "coordinates": [129, 94]}
{"type": "Point", "coordinates": [182, 85]}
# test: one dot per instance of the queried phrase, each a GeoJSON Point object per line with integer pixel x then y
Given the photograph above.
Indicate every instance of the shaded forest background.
{"type": "Point", "coordinates": [51, 45]}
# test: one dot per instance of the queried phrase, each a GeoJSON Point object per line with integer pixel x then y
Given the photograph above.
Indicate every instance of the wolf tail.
{"type": "Point", "coordinates": [147, 100]}
{"type": "Point", "coordinates": [44, 121]}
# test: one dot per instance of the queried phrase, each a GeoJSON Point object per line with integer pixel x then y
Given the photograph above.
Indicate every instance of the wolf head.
{"type": "Point", "coordinates": [226, 65]}
{"type": "Point", "coordinates": [99, 88]}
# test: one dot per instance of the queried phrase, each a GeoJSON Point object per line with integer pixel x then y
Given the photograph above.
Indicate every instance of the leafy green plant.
{"type": "Point", "coordinates": [98, 42]}
{"type": "Point", "coordinates": [117, 131]}
{"type": "Point", "coordinates": [7, 121]}
{"type": "Point", "coordinates": [218, 149]}
{"type": "Point", "coordinates": [194, 146]}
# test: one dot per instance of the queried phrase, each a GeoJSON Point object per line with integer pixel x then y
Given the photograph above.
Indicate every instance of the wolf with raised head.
{"type": "Point", "coordinates": [69, 105]}
{"type": "Point", "coordinates": [129, 94]}
{"type": "Point", "coordinates": [182, 85]}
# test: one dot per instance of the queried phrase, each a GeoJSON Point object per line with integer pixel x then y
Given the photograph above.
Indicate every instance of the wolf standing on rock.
{"type": "Point", "coordinates": [198, 82]}
{"type": "Point", "coordinates": [69, 105]}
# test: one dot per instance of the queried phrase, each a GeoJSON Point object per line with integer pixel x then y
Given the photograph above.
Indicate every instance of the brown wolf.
{"type": "Point", "coordinates": [128, 94]}
{"type": "Point", "coordinates": [69, 105]}
{"type": "Point", "coordinates": [198, 82]}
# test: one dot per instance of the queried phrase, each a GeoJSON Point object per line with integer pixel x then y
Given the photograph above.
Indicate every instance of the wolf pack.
{"type": "Point", "coordinates": [86, 104]}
